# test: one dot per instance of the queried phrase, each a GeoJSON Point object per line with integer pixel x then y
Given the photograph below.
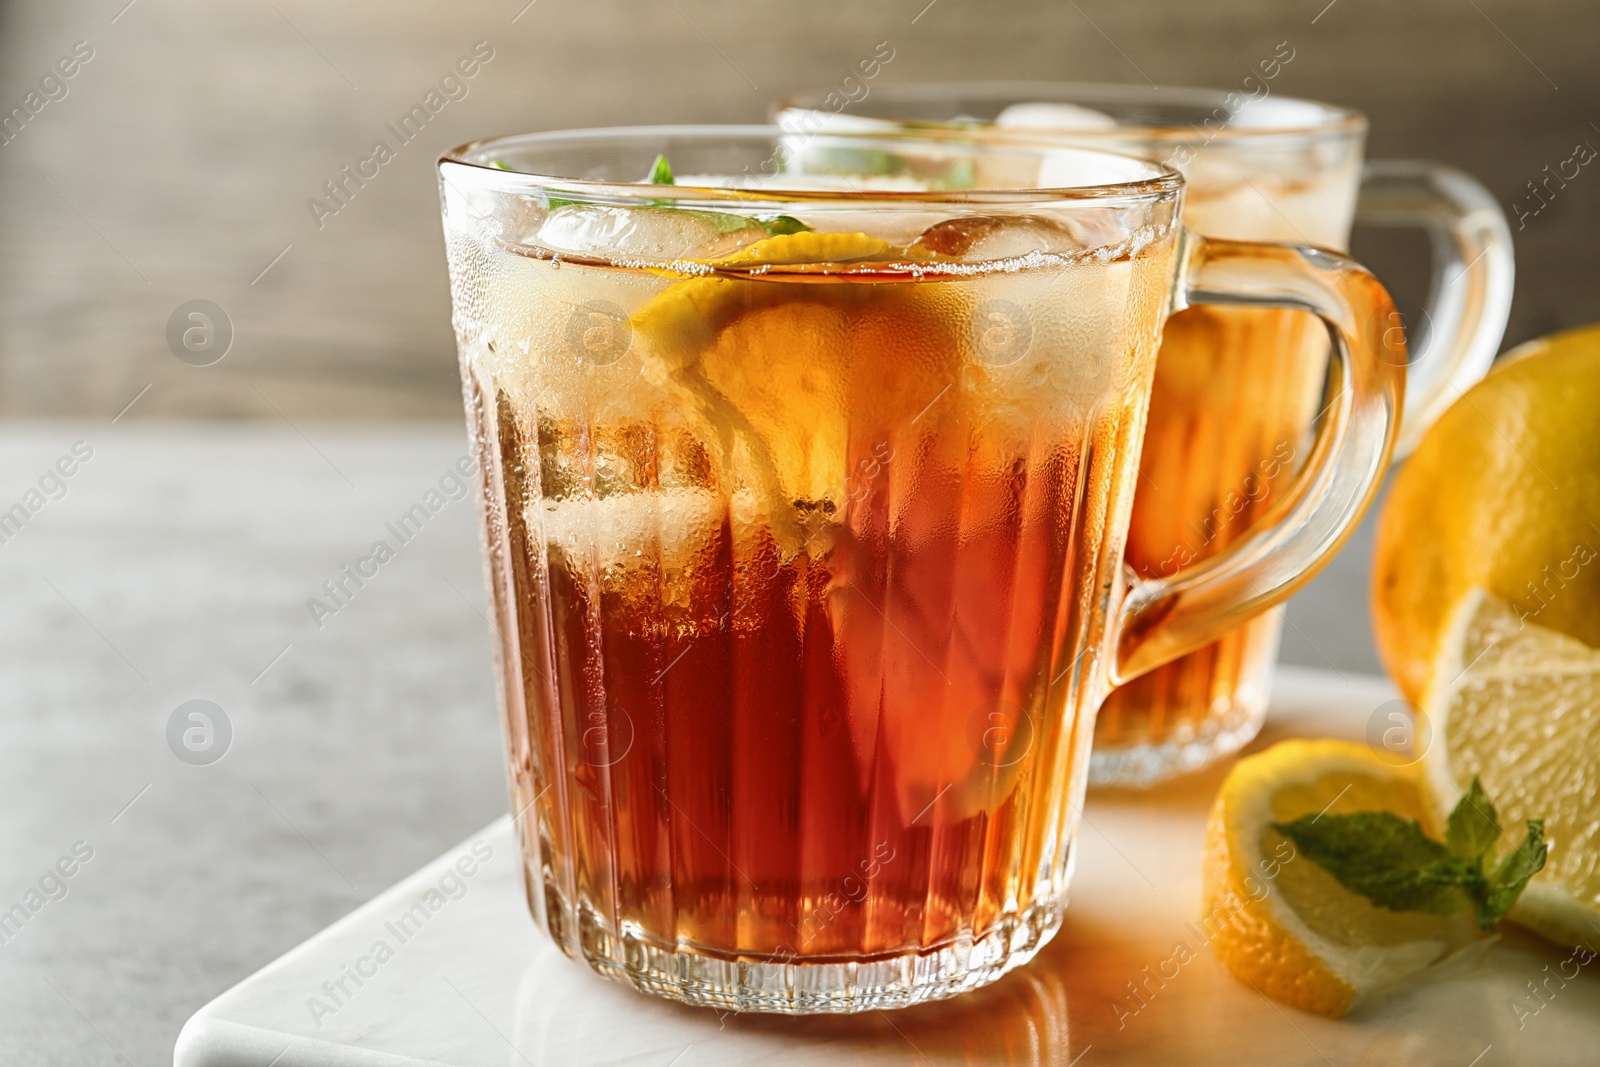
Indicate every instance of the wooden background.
{"type": "Point", "coordinates": [180, 162]}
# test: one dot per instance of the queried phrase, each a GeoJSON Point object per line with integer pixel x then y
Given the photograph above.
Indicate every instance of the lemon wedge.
{"type": "Point", "coordinates": [1518, 704]}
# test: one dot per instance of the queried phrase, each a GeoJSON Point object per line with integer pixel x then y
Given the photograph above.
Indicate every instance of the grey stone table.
{"type": "Point", "coordinates": [173, 564]}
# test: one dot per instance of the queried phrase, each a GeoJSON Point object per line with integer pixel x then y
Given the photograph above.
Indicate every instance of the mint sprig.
{"type": "Point", "coordinates": [725, 222]}
{"type": "Point", "coordinates": [1393, 863]}
{"type": "Point", "coordinates": [661, 174]}
{"type": "Point", "coordinates": [781, 225]}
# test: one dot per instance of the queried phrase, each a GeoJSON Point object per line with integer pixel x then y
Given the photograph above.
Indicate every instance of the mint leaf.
{"type": "Point", "coordinates": [1510, 878]}
{"type": "Point", "coordinates": [660, 172]}
{"type": "Point", "coordinates": [852, 161]}
{"type": "Point", "coordinates": [1385, 858]}
{"type": "Point", "coordinates": [500, 164]}
{"type": "Point", "coordinates": [780, 225]}
{"type": "Point", "coordinates": [1452, 871]}
{"type": "Point", "coordinates": [961, 175]}
{"type": "Point", "coordinates": [1391, 862]}
{"type": "Point", "coordinates": [725, 222]}
{"type": "Point", "coordinates": [1474, 827]}
{"type": "Point", "coordinates": [721, 221]}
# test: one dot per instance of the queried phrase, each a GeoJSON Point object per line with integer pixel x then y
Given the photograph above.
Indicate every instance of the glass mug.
{"type": "Point", "coordinates": [1230, 414]}
{"type": "Point", "coordinates": [805, 482]}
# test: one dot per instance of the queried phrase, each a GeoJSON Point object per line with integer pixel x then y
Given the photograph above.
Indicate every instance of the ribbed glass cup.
{"type": "Point", "coordinates": [805, 484]}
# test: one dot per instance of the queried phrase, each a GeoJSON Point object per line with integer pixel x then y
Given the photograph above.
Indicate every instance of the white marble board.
{"type": "Point", "coordinates": [470, 982]}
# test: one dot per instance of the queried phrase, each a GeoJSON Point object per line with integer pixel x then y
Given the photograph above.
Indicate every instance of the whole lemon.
{"type": "Point", "coordinates": [1504, 493]}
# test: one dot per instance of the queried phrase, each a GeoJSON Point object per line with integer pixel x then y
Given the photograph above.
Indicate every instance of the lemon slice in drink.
{"type": "Point", "coordinates": [1518, 704]}
{"type": "Point", "coordinates": [1283, 924]}
{"type": "Point", "coordinates": [783, 372]}
{"type": "Point", "coordinates": [798, 382]}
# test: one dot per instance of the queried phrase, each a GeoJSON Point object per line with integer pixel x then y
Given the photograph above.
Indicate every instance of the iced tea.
{"type": "Point", "coordinates": [1231, 413]}
{"type": "Point", "coordinates": [1235, 389]}
{"type": "Point", "coordinates": [794, 566]}
{"type": "Point", "coordinates": [805, 497]}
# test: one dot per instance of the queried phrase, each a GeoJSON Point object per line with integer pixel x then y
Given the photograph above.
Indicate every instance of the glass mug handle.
{"type": "Point", "coordinates": [1470, 295]}
{"type": "Point", "coordinates": [1161, 619]}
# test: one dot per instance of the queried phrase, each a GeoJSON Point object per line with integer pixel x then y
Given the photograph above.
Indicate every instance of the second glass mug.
{"type": "Point", "coordinates": [1230, 413]}
{"type": "Point", "coordinates": [804, 500]}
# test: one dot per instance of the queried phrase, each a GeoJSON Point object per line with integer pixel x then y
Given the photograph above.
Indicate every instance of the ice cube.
{"type": "Point", "coordinates": [802, 181]}
{"type": "Point", "coordinates": [650, 234]}
{"type": "Point", "coordinates": [1043, 116]}
{"type": "Point", "coordinates": [1314, 209]}
{"type": "Point", "coordinates": [987, 238]}
{"type": "Point", "coordinates": [620, 533]}
{"type": "Point", "coordinates": [1277, 113]}
{"type": "Point", "coordinates": [808, 122]}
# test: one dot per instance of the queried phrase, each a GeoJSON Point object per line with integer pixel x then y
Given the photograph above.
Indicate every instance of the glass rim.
{"type": "Point", "coordinates": [1159, 181]}
{"type": "Point", "coordinates": [1333, 120]}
